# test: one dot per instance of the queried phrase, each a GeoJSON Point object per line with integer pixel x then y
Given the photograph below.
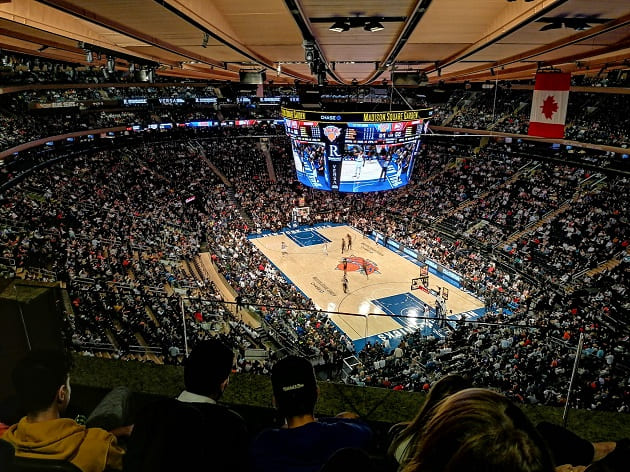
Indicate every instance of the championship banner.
{"type": "Point", "coordinates": [334, 138]}
{"type": "Point", "coordinates": [549, 104]}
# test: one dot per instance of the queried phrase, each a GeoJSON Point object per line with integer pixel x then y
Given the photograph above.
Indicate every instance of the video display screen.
{"type": "Point", "coordinates": [361, 133]}
{"type": "Point", "coordinates": [358, 168]}
{"type": "Point", "coordinates": [355, 156]}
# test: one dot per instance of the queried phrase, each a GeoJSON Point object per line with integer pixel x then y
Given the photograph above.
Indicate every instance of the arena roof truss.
{"type": "Point", "coordinates": [343, 41]}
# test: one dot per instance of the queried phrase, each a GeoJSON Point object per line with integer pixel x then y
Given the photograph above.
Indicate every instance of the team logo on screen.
{"type": "Point", "coordinates": [332, 132]}
{"type": "Point", "coordinates": [358, 264]}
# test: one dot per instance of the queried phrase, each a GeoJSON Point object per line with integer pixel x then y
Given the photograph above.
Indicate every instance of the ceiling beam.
{"type": "Point", "coordinates": [48, 54]}
{"type": "Point", "coordinates": [67, 7]}
{"type": "Point", "coordinates": [40, 17]}
{"type": "Point", "coordinates": [500, 31]}
{"type": "Point", "coordinates": [41, 41]}
{"type": "Point", "coordinates": [189, 11]}
{"type": "Point", "coordinates": [571, 40]}
{"type": "Point", "coordinates": [412, 21]}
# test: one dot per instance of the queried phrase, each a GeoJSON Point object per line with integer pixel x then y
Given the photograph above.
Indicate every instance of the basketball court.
{"type": "Point", "coordinates": [379, 282]}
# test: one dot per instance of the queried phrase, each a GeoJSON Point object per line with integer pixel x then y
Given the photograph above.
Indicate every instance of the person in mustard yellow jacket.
{"type": "Point", "coordinates": [42, 384]}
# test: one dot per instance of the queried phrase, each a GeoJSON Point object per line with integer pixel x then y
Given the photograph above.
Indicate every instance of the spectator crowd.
{"type": "Point", "coordinates": [121, 229]}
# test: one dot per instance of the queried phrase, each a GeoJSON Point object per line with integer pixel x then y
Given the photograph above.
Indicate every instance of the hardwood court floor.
{"type": "Point", "coordinates": [316, 273]}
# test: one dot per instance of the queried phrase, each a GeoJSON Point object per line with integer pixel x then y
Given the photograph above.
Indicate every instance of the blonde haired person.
{"type": "Point", "coordinates": [477, 430]}
{"type": "Point", "coordinates": [406, 435]}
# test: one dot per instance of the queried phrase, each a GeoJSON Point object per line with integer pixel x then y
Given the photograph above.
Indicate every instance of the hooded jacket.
{"type": "Point", "coordinates": [90, 449]}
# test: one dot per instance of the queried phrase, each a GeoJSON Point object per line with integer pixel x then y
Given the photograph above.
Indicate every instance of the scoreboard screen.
{"type": "Point", "coordinates": [361, 133]}
{"type": "Point", "coordinates": [354, 156]}
{"type": "Point", "coordinates": [386, 133]}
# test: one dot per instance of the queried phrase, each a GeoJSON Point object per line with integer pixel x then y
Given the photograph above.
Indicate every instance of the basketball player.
{"type": "Point", "coordinates": [359, 161]}
{"type": "Point", "coordinates": [349, 242]}
{"type": "Point", "coordinates": [343, 245]}
{"type": "Point", "coordinates": [399, 171]}
{"type": "Point", "coordinates": [345, 266]}
{"type": "Point", "coordinates": [440, 308]}
{"type": "Point", "coordinates": [283, 249]}
{"type": "Point", "coordinates": [365, 269]}
{"type": "Point", "coordinates": [325, 249]}
{"type": "Point", "coordinates": [384, 166]}
{"type": "Point", "coordinates": [344, 283]}
{"type": "Point", "coordinates": [427, 310]}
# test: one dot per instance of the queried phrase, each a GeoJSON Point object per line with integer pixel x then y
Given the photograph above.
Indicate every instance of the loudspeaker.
{"type": "Point", "coordinates": [141, 75]}
{"type": "Point", "coordinates": [310, 98]}
{"type": "Point", "coordinates": [252, 78]}
{"type": "Point", "coordinates": [406, 78]}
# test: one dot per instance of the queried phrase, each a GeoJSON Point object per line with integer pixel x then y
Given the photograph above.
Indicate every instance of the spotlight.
{"type": "Point", "coordinates": [578, 24]}
{"type": "Point", "coordinates": [339, 26]}
{"type": "Point", "coordinates": [309, 50]}
{"type": "Point", "coordinates": [373, 26]}
{"type": "Point", "coordinates": [111, 65]}
{"type": "Point", "coordinates": [321, 78]}
{"type": "Point", "coordinates": [89, 57]}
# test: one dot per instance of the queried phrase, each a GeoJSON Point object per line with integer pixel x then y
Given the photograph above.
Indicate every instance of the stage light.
{"type": "Point", "coordinates": [373, 26]}
{"type": "Point", "coordinates": [89, 57]}
{"type": "Point", "coordinates": [339, 26]}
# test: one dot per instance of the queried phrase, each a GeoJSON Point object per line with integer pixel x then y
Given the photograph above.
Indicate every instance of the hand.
{"type": "Point", "coordinates": [570, 468]}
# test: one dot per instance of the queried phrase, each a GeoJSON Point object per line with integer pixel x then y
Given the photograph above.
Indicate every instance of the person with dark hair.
{"type": "Point", "coordinates": [406, 435]}
{"type": "Point", "coordinates": [478, 430]}
{"type": "Point", "coordinates": [191, 430]}
{"type": "Point", "coordinates": [42, 384]}
{"type": "Point", "coordinates": [304, 443]}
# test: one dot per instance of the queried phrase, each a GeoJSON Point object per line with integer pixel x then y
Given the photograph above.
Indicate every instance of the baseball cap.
{"type": "Point", "coordinates": [294, 385]}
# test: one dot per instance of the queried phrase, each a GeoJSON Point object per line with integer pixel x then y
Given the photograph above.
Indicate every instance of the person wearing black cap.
{"type": "Point", "coordinates": [304, 443]}
{"type": "Point", "coordinates": [192, 431]}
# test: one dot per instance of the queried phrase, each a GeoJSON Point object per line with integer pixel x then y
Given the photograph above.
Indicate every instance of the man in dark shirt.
{"type": "Point", "coordinates": [304, 443]}
{"type": "Point", "coordinates": [192, 432]}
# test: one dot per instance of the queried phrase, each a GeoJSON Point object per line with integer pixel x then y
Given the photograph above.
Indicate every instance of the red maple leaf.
{"type": "Point", "coordinates": [549, 107]}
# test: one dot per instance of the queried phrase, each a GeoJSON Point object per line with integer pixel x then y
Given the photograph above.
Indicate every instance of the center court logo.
{"type": "Point", "coordinates": [332, 132]}
{"type": "Point", "coordinates": [359, 264]}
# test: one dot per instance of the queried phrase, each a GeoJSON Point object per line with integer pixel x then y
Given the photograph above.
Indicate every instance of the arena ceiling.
{"type": "Point", "coordinates": [450, 40]}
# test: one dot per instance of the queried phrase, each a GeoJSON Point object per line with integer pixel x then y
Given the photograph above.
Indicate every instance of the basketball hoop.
{"type": "Point", "coordinates": [299, 216]}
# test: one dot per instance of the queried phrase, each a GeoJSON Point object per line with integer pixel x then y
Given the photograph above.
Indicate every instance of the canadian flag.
{"type": "Point", "coordinates": [549, 104]}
